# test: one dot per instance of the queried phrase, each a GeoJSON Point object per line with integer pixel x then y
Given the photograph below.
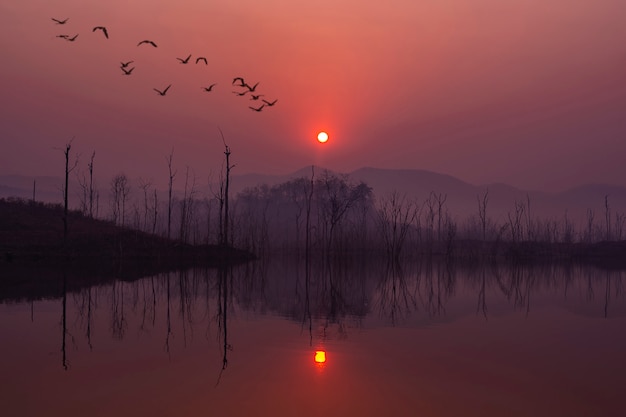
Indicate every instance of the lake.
{"type": "Point", "coordinates": [417, 339]}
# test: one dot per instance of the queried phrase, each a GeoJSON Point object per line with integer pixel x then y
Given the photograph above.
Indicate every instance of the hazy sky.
{"type": "Point", "coordinates": [527, 92]}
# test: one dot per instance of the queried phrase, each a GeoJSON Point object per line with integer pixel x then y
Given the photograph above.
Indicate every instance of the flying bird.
{"type": "Point", "coordinates": [126, 64]}
{"type": "Point", "coordinates": [251, 88]}
{"type": "Point", "coordinates": [243, 93]}
{"type": "Point", "coordinates": [127, 71]}
{"type": "Point", "coordinates": [257, 108]}
{"type": "Point", "coordinates": [241, 81]}
{"type": "Point", "coordinates": [270, 103]}
{"type": "Point", "coordinates": [103, 29]}
{"type": "Point", "coordinates": [209, 88]}
{"type": "Point", "coordinates": [60, 22]}
{"type": "Point", "coordinates": [162, 93]}
{"type": "Point", "coordinates": [201, 58]}
{"type": "Point", "coordinates": [256, 96]}
{"type": "Point", "coordinates": [148, 42]}
{"type": "Point", "coordinates": [184, 61]}
{"type": "Point", "coordinates": [63, 36]}
{"type": "Point", "coordinates": [73, 38]}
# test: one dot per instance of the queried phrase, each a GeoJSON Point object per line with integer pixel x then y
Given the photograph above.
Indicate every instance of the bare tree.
{"type": "Point", "coordinates": [441, 200]}
{"type": "Point", "coordinates": [145, 186]}
{"type": "Point", "coordinates": [91, 189]}
{"type": "Point", "coordinates": [619, 225]}
{"type": "Point", "coordinates": [589, 229]}
{"type": "Point", "coordinates": [154, 213]}
{"type": "Point", "coordinates": [396, 215]}
{"type": "Point", "coordinates": [172, 174]}
{"type": "Point", "coordinates": [68, 169]}
{"type": "Point", "coordinates": [607, 216]}
{"type": "Point", "coordinates": [186, 206]}
{"type": "Point", "coordinates": [337, 197]}
{"type": "Point", "coordinates": [227, 152]}
{"type": "Point", "coordinates": [515, 221]}
{"type": "Point", "coordinates": [120, 190]}
{"type": "Point", "coordinates": [482, 212]}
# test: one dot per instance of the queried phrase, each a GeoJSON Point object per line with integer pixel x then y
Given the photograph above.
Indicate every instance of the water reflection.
{"type": "Point", "coordinates": [329, 299]}
{"type": "Point", "coordinates": [412, 317]}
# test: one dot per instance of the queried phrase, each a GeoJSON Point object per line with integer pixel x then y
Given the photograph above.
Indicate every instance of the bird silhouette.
{"type": "Point", "coordinates": [184, 61]}
{"type": "Point", "coordinates": [242, 93]}
{"type": "Point", "coordinates": [73, 38]}
{"type": "Point", "coordinates": [251, 88]}
{"type": "Point", "coordinates": [257, 108]}
{"type": "Point", "coordinates": [127, 72]}
{"type": "Point", "coordinates": [63, 36]}
{"type": "Point", "coordinates": [256, 96]}
{"type": "Point", "coordinates": [126, 64]}
{"type": "Point", "coordinates": [270, 103]}
{"type": "Point", "coordinates": [162, 93]}
{"type": "Point", "coordinates": [209, 88]}
{"type": "Point", "coordinates": [241, 81]}
{"type": "Point", "coordinates": [103, 29]}
{"type": "Point", "coordinates": [60, 22]}
{"type": "Point", "coordinates": [148, 42]}
{"type": "Point", "coordinates": [201, 58]}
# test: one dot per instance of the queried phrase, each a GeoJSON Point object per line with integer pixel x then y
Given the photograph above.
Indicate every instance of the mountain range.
{"type": "Point", "coordinates": [461, 198]}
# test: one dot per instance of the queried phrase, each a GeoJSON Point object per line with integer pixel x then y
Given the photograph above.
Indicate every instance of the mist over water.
{"type": "Point", "coordinates": [399, 337]}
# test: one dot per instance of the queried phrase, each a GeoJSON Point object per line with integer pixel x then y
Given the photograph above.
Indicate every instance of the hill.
{"type": "Point", "coordinates": [33, 233]}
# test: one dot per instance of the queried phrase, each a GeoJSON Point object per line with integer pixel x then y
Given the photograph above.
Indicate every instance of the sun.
{"type": "Point", "coordinates": [322, 137]}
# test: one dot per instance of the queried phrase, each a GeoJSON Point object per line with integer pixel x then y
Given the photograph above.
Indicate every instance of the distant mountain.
{"type": "Point", "coordinates": [461, 198]}
{"type": "Point", "coordinates": [47, 188]}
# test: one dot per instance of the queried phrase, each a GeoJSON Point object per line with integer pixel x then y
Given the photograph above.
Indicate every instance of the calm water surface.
{"type": "Point", "coordinates": [411, 340]}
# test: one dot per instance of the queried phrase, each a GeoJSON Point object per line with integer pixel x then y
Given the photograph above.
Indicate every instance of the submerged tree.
{"type": "Point", "coordinates": [172, 174]}
{"type": "Point", "coordinates": [120, 190]}
{"type": "Point", "coordinates": [68, 170]}
{"type": "Point", "coordinates": [224, 241]}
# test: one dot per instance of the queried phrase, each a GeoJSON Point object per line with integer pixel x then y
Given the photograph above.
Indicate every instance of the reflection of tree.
{"type": "Point", "coordinates": [438, 283]}
{"type": "Point", "coordinates": [183, 300]}
{"type": "Point", "coordinates": [168, 315]}
{"type": "Point", "coordinates": [85, 311]}
{"type": "Point", "coordinates": [64, 362]}
{"type": "Point", "coordinates": [149, 306]}
{"type": "Point", "coordinates": [64, 328]}
{"type": "Point", "coordinates": [517, 285]}
{"type": "Point", "coordinates": [482, 299]}
{"type": "Point", "coordinates": [395, 300]}
{"type": "Point", "coordinates": [118, 319]}
{"type": "Point", "coordinates": [224, 282]}
{"type": "Point", "coordinates": [613, 279]}
{"type": "Point", "coordinates": [287, 288]}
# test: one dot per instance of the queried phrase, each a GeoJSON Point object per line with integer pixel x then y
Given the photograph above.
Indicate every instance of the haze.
{"type": "Point", "coordinates": [527, 92]}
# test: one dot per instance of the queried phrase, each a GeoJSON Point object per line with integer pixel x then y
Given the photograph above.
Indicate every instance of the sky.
{"type": "Point", "coordinates": [527, 92]}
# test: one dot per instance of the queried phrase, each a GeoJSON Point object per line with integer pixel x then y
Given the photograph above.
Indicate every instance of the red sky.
{"type": "Point", "coordinates": [527, 92]}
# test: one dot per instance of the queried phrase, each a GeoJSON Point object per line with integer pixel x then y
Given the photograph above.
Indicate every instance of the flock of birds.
{"type": "Point", "coordinates": [246, 90]}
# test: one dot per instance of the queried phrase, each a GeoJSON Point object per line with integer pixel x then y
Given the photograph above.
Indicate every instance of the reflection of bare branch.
{"type": "Point", "coordinates": [225, 275]}
{"type": "Point", "coordinates": [64, 361]}
{"type": "Point", "coordinates": [395, 300]}
{"type": "Point", "coordinates": [607, 294]}
{"type": "Point", "coordinates": [169, 318]}
{"type": "Point", "coordinates": [482, 301]}
{"type": "Point", "coordinates": [118, 319]}
{"type": "Point", "coordinates": [89, 318]}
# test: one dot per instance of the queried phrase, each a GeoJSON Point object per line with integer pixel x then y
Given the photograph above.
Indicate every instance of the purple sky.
{"type": "Point", "coordinates": [527, 92]}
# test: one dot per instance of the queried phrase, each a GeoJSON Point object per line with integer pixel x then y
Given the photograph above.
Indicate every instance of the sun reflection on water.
{"type": "Point", "coordinates": [320, 358]}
